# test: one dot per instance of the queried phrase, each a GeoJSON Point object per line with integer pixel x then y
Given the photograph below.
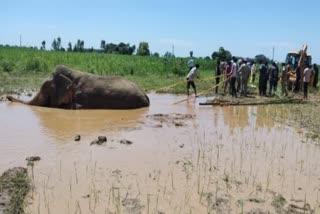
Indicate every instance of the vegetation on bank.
{"type": "Point", "coordinates": [25, 60]}
{"type": "Point", "coordinates": [14, 186]}
{"type": "Point", "coordinates": [26, 68]}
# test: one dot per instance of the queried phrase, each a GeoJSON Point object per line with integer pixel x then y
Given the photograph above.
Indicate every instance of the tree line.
{"type": "Point", "coordinates": [143, 50]}
{"type": "Point", "coordinates": [225, 56]}
{"type": "Point", "coordinates": [121, 48]}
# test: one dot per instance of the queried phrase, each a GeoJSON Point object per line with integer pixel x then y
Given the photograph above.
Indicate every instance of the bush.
{"type": "Point", "coordinates": [7, 66]}
{"type": "Point", "coordinates": [37, 65]}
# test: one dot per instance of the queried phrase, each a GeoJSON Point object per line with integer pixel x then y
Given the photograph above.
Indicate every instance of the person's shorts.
{"type": "Point", "coordinates": [191, 83]}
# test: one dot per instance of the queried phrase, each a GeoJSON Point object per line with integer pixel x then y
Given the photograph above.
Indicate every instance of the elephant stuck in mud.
{"type": "Point", "coordinates": [71, 89]}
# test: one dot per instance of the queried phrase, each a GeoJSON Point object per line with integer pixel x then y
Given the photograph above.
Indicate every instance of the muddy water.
{"type": "Point", "coordinates": [205, 160]}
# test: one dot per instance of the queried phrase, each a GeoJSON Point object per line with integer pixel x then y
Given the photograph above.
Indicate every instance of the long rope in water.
{"type": "Point", "coordinates": [203, 92]}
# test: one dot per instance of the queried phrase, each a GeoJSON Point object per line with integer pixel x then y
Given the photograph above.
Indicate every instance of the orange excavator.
{"type": "Point", "coordinates": [299, 60]}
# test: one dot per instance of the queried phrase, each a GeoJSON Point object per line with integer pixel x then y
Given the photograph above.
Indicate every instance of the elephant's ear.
{"type": "Point", "coordinates": [61, 83]}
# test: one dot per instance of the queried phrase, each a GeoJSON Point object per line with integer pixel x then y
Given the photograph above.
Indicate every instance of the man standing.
{"type": "Point", "coordinates": [273, 78]}
{"type": "Point", "coordinates": [316, 75]}
{"type": "Point", "coordinates": [190, 63]}
{"type": "Point", "coordinates": [218, 73]}
{"type": "Point", "coordinates": [233, 78]}
{"type": "Point", "coordinates": [253, 72]}
{"type": "Point", "coordinates": [227, 73]}
{"type": "Point", "coordinates": [291, 76]}
{"type": "Point", "coordinates": [297, 85]}
{"type": "Point", "coordinates": [244, 70]}
{"type": "Point", "coordinates": [307, 73]}
{"type": "Point", "coordinates": [263, 79]}
{"type": "Point", "coordinates": [190, 79]}
{"type": "Point", "coordinates": [284, 79]}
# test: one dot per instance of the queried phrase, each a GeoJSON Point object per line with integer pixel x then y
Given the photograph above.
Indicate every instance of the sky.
{"type": "Point", "coordinates": [246, 28]}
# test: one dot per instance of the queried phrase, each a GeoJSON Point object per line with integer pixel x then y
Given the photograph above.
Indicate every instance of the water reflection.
{"type": "Point", "coordinates": [65, 123]}
{"type": "Point", "coordinates": [265, 116]}
{"type": "Point", "coordinates": [236, 117]}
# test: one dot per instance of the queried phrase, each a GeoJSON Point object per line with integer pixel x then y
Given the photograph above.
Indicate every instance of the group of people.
{"type": "Point", "coordinates": [236, 76]}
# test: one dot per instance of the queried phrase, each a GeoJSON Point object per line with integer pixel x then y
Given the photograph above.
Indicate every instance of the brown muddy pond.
{"type": "Point", "coordinates": [184, 158]}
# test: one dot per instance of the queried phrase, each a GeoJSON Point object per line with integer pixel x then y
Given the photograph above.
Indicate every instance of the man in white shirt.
{"type": "Point", "coordinates": [190, 79]}
{"type": "Point", "coordinates": [233, 77]}
{"type": "Point", "coordinates": [190, 63]}
{"type": "Point", "coordinates": [307, 73]}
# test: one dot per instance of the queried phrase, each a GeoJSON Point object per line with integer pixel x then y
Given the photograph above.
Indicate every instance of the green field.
{"type": "Point", "coordinates": [27, 68]}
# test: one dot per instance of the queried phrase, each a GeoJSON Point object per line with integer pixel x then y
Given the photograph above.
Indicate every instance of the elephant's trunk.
{"type": "Point", "coordinates": [12, 99]}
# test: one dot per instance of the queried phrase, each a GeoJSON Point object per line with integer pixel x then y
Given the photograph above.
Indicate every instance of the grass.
{"type": "Point", "coordinates": [22, 68]}
{"type": "Point", "coordinates": [16, 184]}
{"type": "Point", "coordinates": [27, 68]}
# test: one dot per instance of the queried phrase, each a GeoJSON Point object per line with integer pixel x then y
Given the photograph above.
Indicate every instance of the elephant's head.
{"type": "Point", "coordinates": [65, 90]}
{"type": "Point", "coordinates": [58, 91]}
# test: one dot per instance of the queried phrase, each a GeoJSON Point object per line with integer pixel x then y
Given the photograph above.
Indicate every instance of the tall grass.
{"type": "Point", "coordinates": [29, 60]}
{"type": "Point", "coordinates": [148, 72]}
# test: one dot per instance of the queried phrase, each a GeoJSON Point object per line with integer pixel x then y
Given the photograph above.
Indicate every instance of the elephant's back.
{"type": "Point", "coordinates": [111, 92]}
{"type": "Point", "coordinates": [102, 92]}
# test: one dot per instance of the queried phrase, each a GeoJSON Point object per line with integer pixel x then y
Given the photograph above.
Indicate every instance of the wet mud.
{"type": "Point", "coordinates": [182, 158]}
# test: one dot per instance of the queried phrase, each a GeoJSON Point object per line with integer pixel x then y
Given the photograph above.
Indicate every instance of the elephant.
{"type": "Point", "coordinates": [72, 89]}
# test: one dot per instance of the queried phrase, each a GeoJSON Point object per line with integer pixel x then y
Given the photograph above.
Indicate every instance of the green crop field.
{"type": "Point", "coordinates": [27, 68]}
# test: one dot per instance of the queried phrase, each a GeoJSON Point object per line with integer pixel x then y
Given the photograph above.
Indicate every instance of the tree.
{"type": "Point", "coordinates": [103, 44]}
{"type": "Point", "coordinates": [43, 45]}
{"type": "Point", "coordinates": [132, 49]}
{"type": "Point", "coordinates": [58, 43]}
{"type": "Point", "coordinates": [76, 46]}
{"type": "Point", "coordinates": [110, 48]}
{"type": "Point", "coordinates": [123, 48]}
{"type": "Point", "coordinates": [222, 55]}
{"type": "Point", "coordinates": [260, 58]}
{"type": "Point", "coordinates": [168, 55]}
{"type": "Point", "coordinates": [156, 54]}
{"type": "Point", "coordinates": [81, 47]}
{"type": "Point", "coordinates": [143, 49]}
{"type": "Point", "coordinates": [54, 44]}
{"type": "Point", "coordinates": [69, 46]}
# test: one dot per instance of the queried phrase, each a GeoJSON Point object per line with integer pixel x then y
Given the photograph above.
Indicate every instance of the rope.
{"type": "Point", "coordinates": [203, 92]}
{"type": "Point", "coordinates": [212, 77]}
{"type": "Point", "coordinates": [170, 86]}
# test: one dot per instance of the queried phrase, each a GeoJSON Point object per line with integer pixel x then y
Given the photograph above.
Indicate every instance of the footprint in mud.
{"type": "Point", "coordinates": [77, 138]}
{"type": "Point", "coordinates": [125, 142]}
{"type": "Point", "coordinates": [132, 206]}
{"type": "Point", "coordinates": [175, 119]}
{"type": "Point", "coordinates": [33, 158]}
{"type": "Point", "coordinates": [101, 140]}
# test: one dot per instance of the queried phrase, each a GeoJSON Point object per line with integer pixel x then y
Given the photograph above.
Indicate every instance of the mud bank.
{"type": "Point", "coordinates": [14, 186]}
